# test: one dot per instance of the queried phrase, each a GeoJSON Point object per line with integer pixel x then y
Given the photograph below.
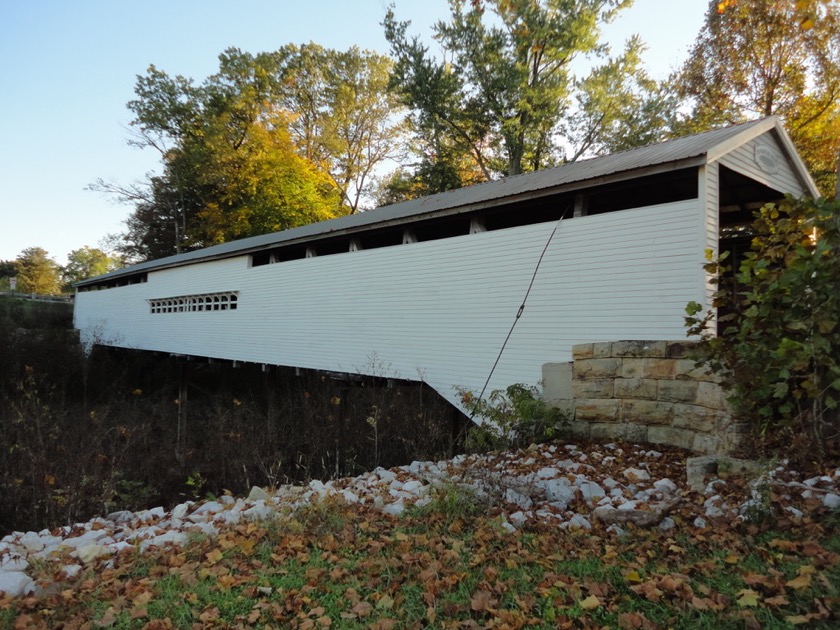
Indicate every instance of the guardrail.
{"type": "Point", "coordinates": [68, 299]}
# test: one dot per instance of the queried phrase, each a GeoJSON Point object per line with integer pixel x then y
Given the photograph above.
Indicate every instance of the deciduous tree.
{"type": "Point", "coordinates": [505, 80]}
{"type": "Point", "coordinates": [760, 58]}
{"type": "Point", "coordinates": [37, 272]}
{"type": "Point", "coordinates": [87, 262]}
{"type": "Point", "coordinates": [342, 115]}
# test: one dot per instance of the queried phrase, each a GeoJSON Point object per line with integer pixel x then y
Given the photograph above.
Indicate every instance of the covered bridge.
{"type": "Point", "coordinates": [428, 289]}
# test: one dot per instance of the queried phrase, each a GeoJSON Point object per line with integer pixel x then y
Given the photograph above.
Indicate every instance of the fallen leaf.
{"type": "Point", "coordinates": [362, 609]}
{"type": "Point", "coordinates": [482, 601]}
{"type": "Point", "coordinates": [385, 603]}
{"type": "Point", "coordinates": [108, 619]}
{"type": "Point", "coordinates": [797, 583]}
{"type": "Point", "coordinates": [590, 603]}
{"type": "Point", "coordinates": [748, 597]}
{"type": "Point", "coordinates": [779, 600]}
{"type": "Point", "coordinates": [211, 614]}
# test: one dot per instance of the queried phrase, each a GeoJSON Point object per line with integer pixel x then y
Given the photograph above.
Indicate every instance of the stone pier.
{"type": "Point", "coordinates": [643, 391]}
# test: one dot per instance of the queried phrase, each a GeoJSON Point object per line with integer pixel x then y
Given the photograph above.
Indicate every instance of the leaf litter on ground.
{"type": "Point", "coordinates": [467, 553]}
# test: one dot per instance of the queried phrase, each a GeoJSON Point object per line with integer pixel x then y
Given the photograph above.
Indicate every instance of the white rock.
{"type": "Point", "coordinates": [180, 511]}
{"type": "Point", "coordinates": [812, 482]}
{"type": "Point", "coordinates": [72, 570]}
{"type": "Point", "coordinates": [226, 499]}
{"type": "Point", "coordinates": [205, 511]}
{"type": "Point", "coordinates": [13, 562]}
{"type": "Point", "coordinates": [667, 523]}
{"type": "Point", "coordinates": [88, 553]}
{"type": "Point", "coordinates": [559, 491]}
{"type": "Point", "coordinates": [119, 546]}
{"type": "Point", "coordinates": [394, 509]}
{"type": "Point", "coordinates": [713, 485]}
{"type": "Point", "coordinates": [616, 529]}
{"type": "Point", "coordinates": [414, 487]}
{"type": "Point", "coordinates": [518, 518]}
{"type": "Point", "coordinates": [206, 528]}
{"type": "Point", "coordinates": [31, 542]}
{"type": "Point", "coordinates": [508, 527]}
{"type": "Point", "coordinates": [831, 501]}
{"type": "Point", "coordinates": [700, 522]}
{"type": "Point", "coordinates": [636, 475]}
{"type": "Point", "coordinates": [259, 512]}
{"type": "Point", "coordinates": [547, 473]}
{"type": "Point", "coordinates": [350, 496]}
{"type": "Point", "coordinates": [796, 513]}
{"type": "Point", "coordinates": [16, 583]}
{"type": "Point", "coordinates": [714, 512]}
{"type": "Point", "coordinates": [88, 538]}
{"type": "Point", "coordinates": [591, 491]}
{"type": "Point", "coordinates": [231, 517]}
{"type": "Point", "coordinates": [317, 486]}
{"type": "Point", "coordinates": [423, 501]}
{"type": "Point", "coordinates": [258, 493]}
{"type": "Point", "coordinates": [123, 516]}
{"type": "Point", "coordinates": [578, 521]}
{"type": "Point", "coordinates": [386, 476]}
{"type": "Point", "coordinates": [518, 499]}
{"type": "Point", "coordinates": [665, 485]}
{"type": "Point", "coordinates": [627, 505]}
{"type": "Point", "coordinates": [609, 483]}
{"type": "Point", "coordinates": [163, 540]}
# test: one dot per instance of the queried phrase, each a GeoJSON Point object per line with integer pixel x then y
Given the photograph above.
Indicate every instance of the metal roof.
{"type": "Point", "coordinates": [686, 151]}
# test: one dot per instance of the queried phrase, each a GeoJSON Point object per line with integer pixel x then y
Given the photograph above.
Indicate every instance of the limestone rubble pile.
{"type": "Point", "coordinates": [565, 486]}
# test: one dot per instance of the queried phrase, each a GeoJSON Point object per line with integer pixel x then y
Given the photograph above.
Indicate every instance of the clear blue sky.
{"type": "Point", "coordinates": [67, 70]}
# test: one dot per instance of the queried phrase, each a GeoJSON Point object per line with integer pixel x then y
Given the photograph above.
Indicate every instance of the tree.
{"type": "Point", "coordinates": [759, 58]}
{"type": "Point", "coordinates": [8, 270]}
{"type": "Point", "coordinates": [271, 141]}
{"type": "Point", "coordinates": [506, 78]}
{"type": "Point", "coordinates": [619, 107]}
{"type": "Point", "coordinates": [87, 262]}
{"type": "Point", "coordinates": [37, 272]}
{"type": "Point", "coordinates": [779, 345]}
{"type": "Point", "coordinates": [230, 168]}
{"type": "Point", "coordinates": [342, 114]}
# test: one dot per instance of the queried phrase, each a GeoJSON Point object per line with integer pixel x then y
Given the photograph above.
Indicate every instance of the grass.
{"type": "Point", "coordinates": [348, 567]}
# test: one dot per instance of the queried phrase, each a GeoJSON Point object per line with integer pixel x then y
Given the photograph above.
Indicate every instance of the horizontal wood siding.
{"type": "Point", "coordinates": [742, 160]}
{"type": "Point", "coordinates": [438, 310]}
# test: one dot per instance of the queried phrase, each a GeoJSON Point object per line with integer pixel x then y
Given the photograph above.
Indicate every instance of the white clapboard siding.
{"type": "Point", "coordinates": [436, 311]}
{"type": "Point", "coordinates": [783, 178]}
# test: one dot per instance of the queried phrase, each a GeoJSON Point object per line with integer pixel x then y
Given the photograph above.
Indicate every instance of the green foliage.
{"type": "Point", "coordinates": [452, 501]}
{"type": "Point", "coordinates": [343, 116]}
{"type": "Point", "coordinates": [87, 262]}
{"type": "Point", "coordinates": [754, 58]}
{"type": "Point", "coordinates": [619, 106]}
{"type": "Point", "coordinates": [778, 345]}
{"type": "Point", "coordinates": [515, 417]}
{"type": "Point", "coordinates": [270, 142]}
{"type": "Point", "coordinates": [505, 83]}
{"type": "Point", "coordinates": [37, 272]}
